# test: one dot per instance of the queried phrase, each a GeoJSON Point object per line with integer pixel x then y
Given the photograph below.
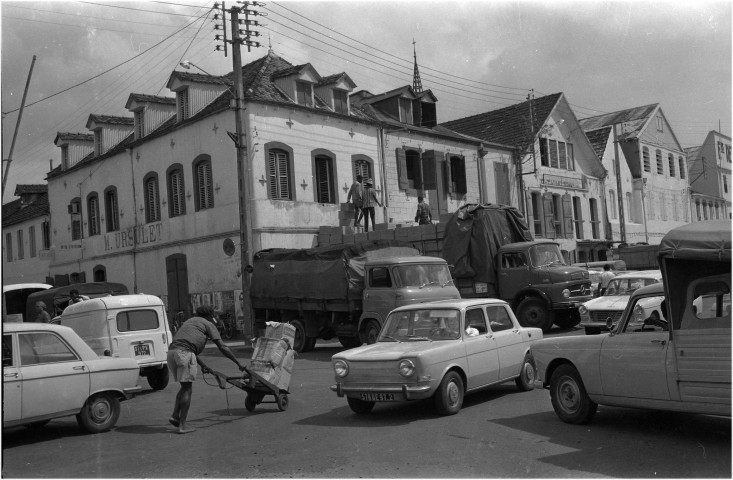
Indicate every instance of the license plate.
{"type": "Point", "coordinates": [142, 350]}
{"type": "Point", "coordinates": [378, 397]}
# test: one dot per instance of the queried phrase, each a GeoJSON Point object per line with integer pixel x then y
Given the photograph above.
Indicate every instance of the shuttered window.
{"type": "Point", "coordinates": [578, 217]}
{"type": "Point", "coordinates": [139, 124]}
{"type": "Point", "coordinates": [176, 198]}
{"type": "Point", "coordinates": [363, 168]}
{"type": "Point", "coordinates": [553, 154]}
{"type": "Point", "coordinates": [405, 110]}
{"type": "Point", "coordinates": [32, 240]}
{"type": "Point", "coordinates": [93, 209]}
{"type": "Point", "coordinates": [278, 171]}
{"type": "Point", "coordinates": [683, 171]}
{"type": "Point", "coordinates": [660, 163]}
{"type": "Point", "coordinates": [340, 102]}
{"type": "Point", "coordinates": [647, 161]}
{"type": "Point", "coordinates": [670, 160]}
{"type": "Point", "coordinates": [21, 254]}
{"type": "Point", "coordinates": [75, 211]}
{"type": "Point", "coordinates": [152, 199]}
{"type": "Point", "coordinates": [324, 179]}
{"type": "Point", "coordinates": [183, 105]}
{"type": "Point", "coordinates": [46, 235]}
{"type": "Point", "coordinates": [204, 185]}
{"type": "Point", "coordinates": [304, 93]}
{"type": "Point", "coordinates": [594, 221]}
{"type": "Point", "coordinates": [9, 247]}
{"type": "Point", "coordinates": [112, 212]}
{"type": "Point", "coordinates": [457, 179]}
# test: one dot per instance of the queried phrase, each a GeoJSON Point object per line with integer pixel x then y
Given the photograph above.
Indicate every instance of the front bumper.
{"type": "Point", "coordinates": [408, 392]}
{"type": "Point", "coordinates": [570, 304]}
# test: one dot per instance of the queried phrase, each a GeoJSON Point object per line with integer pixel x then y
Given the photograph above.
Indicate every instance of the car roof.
{"type": "Point", "coordinates": [459, 303]}
{"type": "Point", "coordinates": [21, 286]}
{"type": "Point", "coordinates": [112, 302]}
{"type": "Point", "coordinates": [655, 274]}
{"type": "Point", "coordinates": [10, 327]}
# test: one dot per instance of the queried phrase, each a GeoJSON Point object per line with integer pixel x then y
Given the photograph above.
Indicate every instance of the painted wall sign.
{"type": "Point", "coordinates": [138, 235]}
{"type": "Point", "coordinates": [567, 182]}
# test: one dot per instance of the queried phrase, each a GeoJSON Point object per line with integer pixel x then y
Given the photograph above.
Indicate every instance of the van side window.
{"type": "Point", "coordinates": [134, 320]}
{"type": "Point", "coordinates": [499, 319]}
{"type": "Point", "coordinates": [379, 278]}
{"type": "Point", "coordinates": [710, 305]}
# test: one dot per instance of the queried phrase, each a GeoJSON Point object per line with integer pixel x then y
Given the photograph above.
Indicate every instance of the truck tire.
{"type": "Point", "coordinates": [371, 332]}
{"type": "Point", "coordinates": [351, 341]}
{"type": "Point", "coordinates": [567, 319]}
{"type": "Point", "coordinates": [533, 312]}
{"type": "Point", "coordinates": [300, 341]}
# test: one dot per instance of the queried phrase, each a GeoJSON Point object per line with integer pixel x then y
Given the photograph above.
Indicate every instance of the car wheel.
{"type": "Point", "coordinates": [371, 332]}
{"type": "Point", "coordinates": [569, 398]}
{"type": "Point", "coordinates": [567, 319]}
{"type": "Point", "coordinates": [533, 312]}
{"type": "Point", "coordinates": [351, 341]}
{"type": "Point", "coordinates": [449, 396]}
{"type": "Point", "coordinates": [359, 406]}
{"type": "Point", "coordinates": [300, 337]}
{"type": "Point", "coordinates": [158, 379]}
{"type": "Point", "coordinates": [99, 413]}
{"type": "Point", "coordinates": [527, 375]}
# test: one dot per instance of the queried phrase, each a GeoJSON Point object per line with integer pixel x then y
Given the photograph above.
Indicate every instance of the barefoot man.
{"type": "Point", "coordinates": [188, 342]}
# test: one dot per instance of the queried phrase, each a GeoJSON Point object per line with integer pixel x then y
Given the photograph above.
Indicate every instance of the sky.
{"type": "Point", "coordinates": [475, 56]}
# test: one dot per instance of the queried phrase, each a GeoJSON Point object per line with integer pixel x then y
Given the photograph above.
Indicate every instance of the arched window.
{"type": "Point", "coordinates": [683, 172]}
{"type": "Point", "coordinates": [279, 174]}
{"type": "Point", "coordinates": [670, 160]}
{"type": "Point", "coordinates": [93, 214]}
{"type": "Point", "coordinates": [362, 165]}
{"type": "Point", "coordinates": [647, 162]}
{"type": "Point", "coordinates": [660, 164]}
{"type": "Point", "coordinates": [100, 273]}
{"type": "Point", "coordinates": [203, 182]}
{"type": "Point", "coordinates": [152, 197]}
{"type": "Point", "coordinates": [111, 209]}
{"type": "Point", "coordinates": [176, 192]}
{"type": "Point", "coordinates": [325, 177]}
{"type": "Point", "coordinates": [75, 212]}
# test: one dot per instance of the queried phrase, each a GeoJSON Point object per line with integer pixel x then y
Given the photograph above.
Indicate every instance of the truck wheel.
{"type": "Point", "coordinates": [567, 319]}
{"type": "Point", "coordinates": [300, 338]}
{"type": "Point", "coordinates": [158, 379]}
{"type": "Point", "coordinates": [533, 312]}
{"type": "Point", "coordinates": [99, 413]}
{"type": "Point", "coordinates": [569, 398]}
{"type": "Point", "coordinates": [449, 396]}
{"type": "Point", "coordinates": [360, 406]}
{"type": "Point", "coordinates": [310, 343]}
{"type": "Point", "coordinates": [371, 332]}
{"type": "Point", "coordinates": [350, 342]}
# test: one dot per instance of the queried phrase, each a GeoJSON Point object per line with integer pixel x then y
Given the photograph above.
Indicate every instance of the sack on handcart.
{"type": "Point", "coordinates": [280, 331]}
{"type": "Point", "coordinates": [270, 350]}
{"type": "Point", "coordinates": [278, 375]}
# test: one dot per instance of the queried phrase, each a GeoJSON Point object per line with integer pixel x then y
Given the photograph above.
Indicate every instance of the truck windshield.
{"type": "Point", "coordinates": [412, 275]}
{"type": "Point", "coordinates": [422, 325]}
{"type": "Point", "coordinates": [546, 254]}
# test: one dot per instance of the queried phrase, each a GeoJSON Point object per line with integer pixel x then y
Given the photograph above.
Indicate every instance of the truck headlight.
{"type": "Point", "coordinates": [481, 287]}
{"type": "Point", "coordinates": [341, 368]}
{"type": "Point", "coordinates": [407, 368]}
{"type": "Point", "coordinates": [566, 293]}
{"type": "Point", "coordinates": [582, 310]}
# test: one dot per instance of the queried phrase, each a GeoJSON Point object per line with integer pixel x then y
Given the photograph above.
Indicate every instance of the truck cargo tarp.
{"type": "Point", "coordinates": [334, 273]}
{"type": "Point", "coordinates": [473, 237]}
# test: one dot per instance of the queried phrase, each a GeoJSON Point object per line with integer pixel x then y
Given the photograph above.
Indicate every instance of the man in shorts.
{"type": "Point", "coordinates": [189, 341]}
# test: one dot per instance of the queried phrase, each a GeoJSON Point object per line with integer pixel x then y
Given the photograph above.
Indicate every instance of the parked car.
{"type": "Point", "coordinates": [14, 300]}
{"type": "Point", "coordinates": [594, 314]}
{"type": "Point", "coordinates": [427, 350]}
{"type": "Point", "coordinates": [125, 326]}
{"type": "Point", "coordinates": [49, 372]}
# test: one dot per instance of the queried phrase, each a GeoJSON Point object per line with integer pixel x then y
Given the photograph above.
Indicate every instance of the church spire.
{"type": "Point", "coordinates": [416, 83]}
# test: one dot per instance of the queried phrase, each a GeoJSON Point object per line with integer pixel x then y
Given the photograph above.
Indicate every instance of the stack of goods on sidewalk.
{"type": "Point", "coordinates": [273, 357]}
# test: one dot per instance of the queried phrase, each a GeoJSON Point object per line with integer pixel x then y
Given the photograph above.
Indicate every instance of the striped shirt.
{"type": "Point", "coordinates": [370, 198]}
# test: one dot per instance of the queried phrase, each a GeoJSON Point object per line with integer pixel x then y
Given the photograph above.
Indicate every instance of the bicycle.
{"type": "Point", "coordinates": [224, 325]}
{"type": "Point", "coordinates": [176, 321]}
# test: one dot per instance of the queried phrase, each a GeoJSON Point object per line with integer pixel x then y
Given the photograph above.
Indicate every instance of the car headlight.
{"type": "Point", "coordinates": [566, 293]}
{"type": "Point", "coordinates": [582, 310]}
{"type": "Point", "coordinates": [481, 287]}
{"type": "Point", "coordinates": [341, 368]}
{"type": "Point", "coordinates": [407, 368]}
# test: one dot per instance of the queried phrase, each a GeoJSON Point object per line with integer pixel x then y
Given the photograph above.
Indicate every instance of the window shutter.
{"type": "Point", "coordinates": [282, 175]}
{"type": "Point", "coordinates": [530, 213]}
{"type": "Point", "coordinates": [429, 169]}
{"type": "Point", "coordinates": [323, 180]}
{"type": "Point", "coordinates": [205, 186]}
{"type": "Point", "coordinates": [402, 169]}
{"type": "Point", "coordinates": [549, 210]}
{"type": "Point", "coordinates": [272, 173]}
{"type": "Point", "coordinates": [460, 179]}
{"type": "Point", "coordinates": [567, 215]}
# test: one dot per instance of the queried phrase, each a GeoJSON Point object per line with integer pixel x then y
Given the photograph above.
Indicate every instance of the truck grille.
{"type": "Point", "coordinates": [580, 290]}
{"type": "Point", "coordinates": [602, 315]}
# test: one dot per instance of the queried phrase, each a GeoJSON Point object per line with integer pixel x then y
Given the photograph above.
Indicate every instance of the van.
{"type": "Point", "coordinates": [56, 299]}
{"type": "Point", "coordinates": [15, 297]}
{"type": "Point", "coordinates": [125, 326]}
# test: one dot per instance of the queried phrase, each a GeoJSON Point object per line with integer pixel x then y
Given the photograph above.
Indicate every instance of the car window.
{"type": "Point", "coordinates": [7, 350]}
{"type": "Point", "coordinates": [475, 322]}
{"type": "Point", "coordinates": [626, 286]}
{"type": "Point", "coordinates": [379, 278]}
{"type": "Point", "coordinates": [499, 319]}
{"type": "Point", "coordinates": [648, 314]}
{"type": "Point", "coordinates": [134, 320]}
{"type": "Point", "coordinates": [43, 347]}
{"type": "Point", "coordinates": [421, 325]}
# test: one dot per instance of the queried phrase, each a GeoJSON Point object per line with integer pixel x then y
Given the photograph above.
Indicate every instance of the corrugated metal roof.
{"type": "Point", "coordinates": [142, 97]}
{"type": "Point", "coordinates": [599, 139]}
{"type": "Point", "coordinates": [633, 120]}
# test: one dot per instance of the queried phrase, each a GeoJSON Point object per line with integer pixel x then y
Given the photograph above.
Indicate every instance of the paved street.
{"type": "Point", "coordinates": [498, 433]}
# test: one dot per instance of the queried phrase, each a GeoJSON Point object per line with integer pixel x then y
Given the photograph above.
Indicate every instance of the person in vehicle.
{"type": "Point", "coordinates": [75, 297]}
{"type": "Point", "coordinates": [188, 342]}
{"type": "Point", "coordinates": [42, 315]}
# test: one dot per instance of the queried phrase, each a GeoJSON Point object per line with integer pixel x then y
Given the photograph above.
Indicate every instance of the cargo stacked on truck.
{"type": "Point", "coordinates": [495, 256]}
{"type": "Point", "coordinates": [343, 291]}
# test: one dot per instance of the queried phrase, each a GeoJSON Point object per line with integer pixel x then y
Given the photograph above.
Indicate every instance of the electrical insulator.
{"type": "Point", "coordinates": [258, 4]}
{"type": "Point", "coordinates": [216, 6]}
{"type": "Point", "coordinates": [216, 16]}
{"type": "Point", "coordinates": [249, 33]}
{"type": "Point", "coordinates": [252, 44]}
{"type": "Point", "coordinates": [218, 37]}
{"type": "Point", "coordinates": [218, 27]}
{"type": "Point", "coordinates": [250, 22]}
{"type": "Point", "coordinates": [218, 48]}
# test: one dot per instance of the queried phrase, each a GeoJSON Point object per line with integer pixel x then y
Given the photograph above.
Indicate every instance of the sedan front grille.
{"type": "Point", "coordinates": [366, 372]}
{"type": "Point", "coordinates": [603, 315]}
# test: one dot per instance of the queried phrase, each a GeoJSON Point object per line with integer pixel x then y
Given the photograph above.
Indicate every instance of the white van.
{"type": "Point", "coordinates": [14, 300]}
{"type": "Point", "coordinates": [125, 326]}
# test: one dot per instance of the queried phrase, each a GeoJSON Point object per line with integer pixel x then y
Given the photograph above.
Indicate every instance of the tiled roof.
{"type": "Point", "coordinates": [599, 139]}
{"type": "Point", "coordinates": [292, 70]}
{"type": "Point", "coordinates": [200, 77]}
{"type": "Point", "coordinates": [142, 97]}
{"type": "Point", "coordinates": [633, 120]}
{"type": "Point", "coordinates": [507, 126]}
{"type": "Point", "coordinates": [14, 212]}
{"type": "Point", "coordinates": [330, 79]}
{"type": "Point", "coordinates": [30, 189]}
{"type": "Point", "coordinates": [111, 119]}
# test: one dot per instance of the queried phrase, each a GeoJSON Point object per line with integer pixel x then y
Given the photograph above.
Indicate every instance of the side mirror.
{"type": "Point", "coordinates": [610, 324]}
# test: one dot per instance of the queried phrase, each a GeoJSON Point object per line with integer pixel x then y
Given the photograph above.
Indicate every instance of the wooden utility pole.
{"type": "Point", "coordinates": [17, 126]}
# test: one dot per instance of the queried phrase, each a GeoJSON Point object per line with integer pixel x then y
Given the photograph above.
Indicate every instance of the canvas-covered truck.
{"type": "Point", "coordinates": [495, 256]}
{"type": "Point", "coordinates": [343, 291]}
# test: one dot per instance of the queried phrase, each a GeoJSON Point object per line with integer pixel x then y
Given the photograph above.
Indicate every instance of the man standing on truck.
{"type": "Point", "coordinates": [355, 195]}
{"type": "Point", "coordinates": [423, 216]}
{"type": "Point", "coordinates": [188, 342]}
{"type": "Point", "coordinates": [370, 198]}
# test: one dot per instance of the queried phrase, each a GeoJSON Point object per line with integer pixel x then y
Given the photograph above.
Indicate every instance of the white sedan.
{"type": "Point", "coordinates": [49, 372]}
{"type": "Point", "coordinates": [440, 350]}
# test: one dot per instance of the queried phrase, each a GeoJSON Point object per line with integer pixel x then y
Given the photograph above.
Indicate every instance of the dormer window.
{"type": "Point", "coordinates": [98, 141]}
{"type": "Point", "coordinates": [183, 105]}
{"type": "Point", "coordinates": [405, 110]}
{"type": "Point", "coordinates": [139, 124]}
{"type": "Point", "coordinates": [65, 156]}
{"type": "Point", "coordinates": [304, 93]}
{"type": "Point", "coordinates": [340, 102]}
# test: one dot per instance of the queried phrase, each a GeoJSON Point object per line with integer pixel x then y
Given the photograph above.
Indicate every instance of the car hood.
{"type": "Point", "coordinates": [615, 302]}
{"type": "Point", "coordinates": [385, 351]}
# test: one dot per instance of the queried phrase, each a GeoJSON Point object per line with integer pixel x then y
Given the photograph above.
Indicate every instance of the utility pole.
{"type": "Point", "coordinates": [17, 126]}
{"type": "Point", "coordinates": [620, 200]}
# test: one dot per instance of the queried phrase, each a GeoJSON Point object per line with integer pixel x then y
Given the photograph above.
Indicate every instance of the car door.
{"type": "Point", "coordinates": [514, 274]}
{"type": "Point", "coordinates": [508, 340]}
{"type": "Point", "coordinates": [55, 379]}
{"type": "Point", "coordinates": [12, 381]}
{"type": "Point", "coordinates": [481, 354]}
{"type": "Point", "coordinates": [379, 294]}
{"type": "Point", "coordinates": [633, 361]}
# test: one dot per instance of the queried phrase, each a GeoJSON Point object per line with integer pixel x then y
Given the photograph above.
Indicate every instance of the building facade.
{"type": "Point", "coordinates": [709, 173]}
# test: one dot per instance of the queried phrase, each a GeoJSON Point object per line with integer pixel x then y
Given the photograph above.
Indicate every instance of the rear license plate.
{"type": "Point", "coordinates": [378, 397]}
{"type": "Point", "coordinates": [142, 350]}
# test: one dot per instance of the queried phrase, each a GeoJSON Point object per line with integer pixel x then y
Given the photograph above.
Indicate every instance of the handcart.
{"type": "Point", "coordinates": [252, 383]}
